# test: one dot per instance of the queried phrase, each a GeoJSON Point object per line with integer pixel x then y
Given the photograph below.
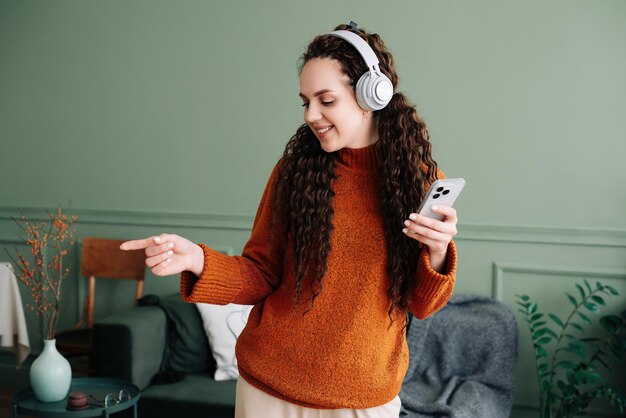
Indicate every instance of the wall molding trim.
{"type": "Point", "coordinates": [137, 218]}
{"type": "Point", "coordinates": [593, 237]}
{"type": "Point", "coordinates": [528, 234]}
{"type": "Point", "coordinates": [501, 268]}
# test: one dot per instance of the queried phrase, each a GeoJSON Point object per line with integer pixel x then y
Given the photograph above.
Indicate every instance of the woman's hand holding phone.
{"type": "Point", "coordinates": [168, 254]}
{"type": "Point", "coordinates": [434, 224]}
{"type": "Point", "coordinates": [431, 232]}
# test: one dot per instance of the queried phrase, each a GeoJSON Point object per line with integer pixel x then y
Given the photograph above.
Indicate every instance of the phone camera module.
{"type": "Point", "coordinates": [436, 196]}
{"type": "Point", "coordinates": [440, 189]}
{"type": "Point", "coordinates": [445, 192]}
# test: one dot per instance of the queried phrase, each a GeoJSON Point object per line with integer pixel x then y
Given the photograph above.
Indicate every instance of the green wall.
{"type": "Point", "coordinates": [157, 116]}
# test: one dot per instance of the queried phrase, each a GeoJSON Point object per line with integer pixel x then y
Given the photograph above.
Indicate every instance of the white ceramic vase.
{"type": "Point", "coordinates": [50, 374]}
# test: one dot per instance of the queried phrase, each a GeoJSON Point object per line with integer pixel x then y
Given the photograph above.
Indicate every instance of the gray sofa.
{"type": "Point", "coordinates": [162, 349]}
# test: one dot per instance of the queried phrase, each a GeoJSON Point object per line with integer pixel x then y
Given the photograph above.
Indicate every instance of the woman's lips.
{"type": "Point", "coordinates": [321, 132]}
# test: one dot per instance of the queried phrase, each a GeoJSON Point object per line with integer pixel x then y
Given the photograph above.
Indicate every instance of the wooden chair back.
{"type": "Point", "coordinates": [103, 258]}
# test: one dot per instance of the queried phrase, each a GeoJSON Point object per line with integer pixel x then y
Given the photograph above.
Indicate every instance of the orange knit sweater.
{"type": "Point", "coordinates": [343, 353]}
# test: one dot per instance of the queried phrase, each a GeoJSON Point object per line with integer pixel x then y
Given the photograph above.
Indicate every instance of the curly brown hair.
{"type": "Point", "coordinates": [303, 193]}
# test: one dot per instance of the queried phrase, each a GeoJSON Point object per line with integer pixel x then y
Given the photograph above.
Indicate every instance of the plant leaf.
{"type": "Point", "coordinates": [535, 317]}
{"type": "Point", "coordinates": [588, 285]}
{"type": "Point", "coordinates": [580, 376]}
{"type": "Point", "coordinates": [556, 319]}
{"type": "Point", "coordinates": [585, 317]}
{"type": "Point", "coordinates": [565, 389]}
{"type": "Point", "coordinates": [543, 331]}
{"type": "Point", "coordinates": [589, 377]}
{"type": "Point", "coordinates": [544, 340]}
{"type": "Point", "coordinates": [599, 286]}
{"type": "Point", "coordinates": [607, 325]}
{"type": "Point", "coordinates": [598, 300]}
{"type": "Point", "coordinates": [576, 344]}
{"type": "Point", "coordinates": [616, 351]}
{"type": "Point", "coordinates": [552, 333]}
{"type": "Point", "coordinates": [532, 308]}
{"type": "Point", "coordinates": [577, 326]}
{"type": "Point", "coordinates": [539, 324]}
{"type": "Point", "coordinates": [581, 291]}
{"type": "Point", "coordinates": [590, 340]}
{"type": "Point", "coordinates": [610, 323]}
{"type": "Point", "coordinates": [594, 379]}
{"type": "Point", "coordinates": [612, 290]}
{"type": "Point", "coordinates": [576, 348]}
{"type": "Point", "coordinates": [572, 299]}
{"type": "Point", "coordinates": [525, 298]}
{"type": "Point", "coordinates": [592, 307]}
{"type": "Point", "coordinates": [567, 364]}
{"type": "Point", "coordinates": [602, 362]}
{"type": "Point", "coordinates": [540, 352]}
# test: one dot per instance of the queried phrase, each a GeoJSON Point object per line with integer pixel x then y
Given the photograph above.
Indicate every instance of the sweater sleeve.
{"type": "Point", "coordinates": [244, 279]}
{"type": "Point", "coordinates": [432, 289]}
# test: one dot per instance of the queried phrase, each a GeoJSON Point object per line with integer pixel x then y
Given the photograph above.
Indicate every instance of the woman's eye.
{"type": "Point", "coordinates": [324, 103]}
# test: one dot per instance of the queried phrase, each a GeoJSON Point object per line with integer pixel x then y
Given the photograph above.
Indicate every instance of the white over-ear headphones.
{"type": "Point", "coordinates": [374, 89]}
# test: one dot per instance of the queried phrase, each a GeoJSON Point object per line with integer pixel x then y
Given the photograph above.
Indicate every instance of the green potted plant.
{"type": "Point", "coordinates": [572, 366]}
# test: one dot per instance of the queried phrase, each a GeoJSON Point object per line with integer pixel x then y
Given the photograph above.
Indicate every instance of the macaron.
{"type": "Point", "coordinates": [77, 400]}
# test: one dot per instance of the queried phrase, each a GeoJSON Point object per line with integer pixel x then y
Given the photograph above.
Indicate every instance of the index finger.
{"type": "Point", "coordinates": [140, 244]}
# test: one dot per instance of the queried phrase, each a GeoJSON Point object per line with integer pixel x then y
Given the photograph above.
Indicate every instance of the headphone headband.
{"type": "Point", "coordinates": [363, 47]}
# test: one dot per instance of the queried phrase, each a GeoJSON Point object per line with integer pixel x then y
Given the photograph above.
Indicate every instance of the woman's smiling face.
{"type": "Point", "coordinates": [331, 109]}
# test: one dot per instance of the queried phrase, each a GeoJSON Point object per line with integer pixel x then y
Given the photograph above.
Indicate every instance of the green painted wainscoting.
{"type": "Point", "coordinates": [497, 261]}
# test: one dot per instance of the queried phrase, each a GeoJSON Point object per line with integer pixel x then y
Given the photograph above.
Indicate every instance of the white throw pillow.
{"type": "Point", "coordinates": [222, 326]}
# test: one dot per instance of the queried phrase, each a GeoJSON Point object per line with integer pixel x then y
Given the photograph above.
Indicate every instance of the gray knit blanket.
{"type": "Point", "coordinates": [462, 361]}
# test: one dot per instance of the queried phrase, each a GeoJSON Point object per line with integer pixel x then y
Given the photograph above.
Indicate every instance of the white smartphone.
{"type": "Point", "coordinates": [441, 192]}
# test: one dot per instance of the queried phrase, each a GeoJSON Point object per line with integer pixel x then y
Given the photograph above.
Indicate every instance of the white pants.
{"type": "Point", "coordinates": [251, 402]}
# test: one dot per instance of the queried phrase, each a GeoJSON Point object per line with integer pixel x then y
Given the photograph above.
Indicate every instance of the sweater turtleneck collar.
{"type": "Point", "coordinates": [362, 159]}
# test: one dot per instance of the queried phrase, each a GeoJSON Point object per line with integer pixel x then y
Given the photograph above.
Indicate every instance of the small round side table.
{"type": "Point", "coordinates": [96, 388]}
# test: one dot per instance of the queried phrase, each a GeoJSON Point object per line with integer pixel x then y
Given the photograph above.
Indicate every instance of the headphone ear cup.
{"type": "Point", "coordinates": [361, 92]}
{"type": "Point", "coordinates": [373, 91]}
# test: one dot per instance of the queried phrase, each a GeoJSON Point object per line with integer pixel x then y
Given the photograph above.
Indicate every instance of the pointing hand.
{"type": "Point", "coordinates": [167, 254]}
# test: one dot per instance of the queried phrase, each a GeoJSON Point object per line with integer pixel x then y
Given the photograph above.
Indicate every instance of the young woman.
{"type": "Point", "coordinates": [337, 255]}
